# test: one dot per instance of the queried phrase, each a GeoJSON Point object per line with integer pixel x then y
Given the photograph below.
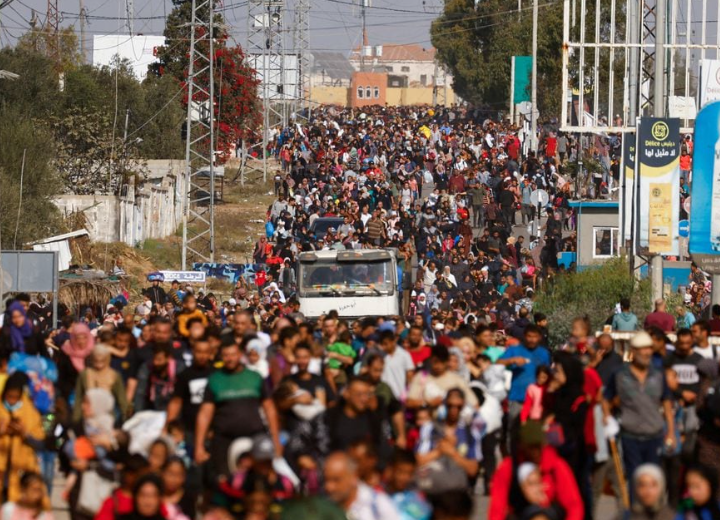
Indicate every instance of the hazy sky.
{"type": "Point", "coordinates": [335, 24]}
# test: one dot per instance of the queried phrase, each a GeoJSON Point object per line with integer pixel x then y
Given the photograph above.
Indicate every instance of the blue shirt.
{"type": "Point", "coordinates": [412, 505]}
{"type": "Point", "coordinates": [523, 375]}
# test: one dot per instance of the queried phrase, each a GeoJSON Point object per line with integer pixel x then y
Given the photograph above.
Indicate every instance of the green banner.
{"type": "Point", "coordinates": [523, 77]}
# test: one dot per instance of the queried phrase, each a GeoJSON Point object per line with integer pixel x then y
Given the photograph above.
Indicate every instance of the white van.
{"type": "Point", "coordinates": [355, 283]}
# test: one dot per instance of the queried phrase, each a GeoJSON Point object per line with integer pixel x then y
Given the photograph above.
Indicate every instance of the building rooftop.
{"type": "Point", "coordinates": [396, 52]}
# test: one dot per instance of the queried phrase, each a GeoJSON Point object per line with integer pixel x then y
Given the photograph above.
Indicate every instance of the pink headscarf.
{"type": "Point", "coordinates": [76, 354]}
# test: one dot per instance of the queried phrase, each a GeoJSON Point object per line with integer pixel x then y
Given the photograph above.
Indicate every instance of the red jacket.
{"type": "Point", "coordinates": [560, 486]}
{"type": "Point", "coordinates": [120, 503]}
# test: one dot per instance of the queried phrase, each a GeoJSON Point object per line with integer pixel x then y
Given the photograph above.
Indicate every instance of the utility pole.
{"type": "Point", "coordinates": [512, 90]}
{"type": "Point", "coordinates": [127, 120]}
{"type": "Point", "coordinates": [302, 33]}
{"type": "Point", "coordinates": [656, 263]}
{"type": "Point", "coordinates": [83, 22]}
{"type": "Point", "coordinates": [199, 206]}
{"type": "Point", "coordinates": [534, 113]}
{"type": "Point", "coordinates": [365, 40]}
{"type": "Point", "coordinates": [130, 17]}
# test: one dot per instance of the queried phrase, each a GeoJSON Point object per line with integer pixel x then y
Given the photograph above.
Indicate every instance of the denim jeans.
{"type": "Point", "coordinates": [47, 467]}
{"type": "Point", "coordinates": [639, 451]}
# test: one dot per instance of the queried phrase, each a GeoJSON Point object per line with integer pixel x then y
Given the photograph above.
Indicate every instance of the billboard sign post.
{"type": "Point", "coordinates": [658, 166]}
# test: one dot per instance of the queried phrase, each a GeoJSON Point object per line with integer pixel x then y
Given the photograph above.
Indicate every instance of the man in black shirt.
{"type": "Point", "coordinates": [156, 293]}
{"type": "Point", "coordinates": [681, 369]}
{"type": "Point", "coordinates": [683, 379]}
{"type": "Point", "coordinates": [305, 380]}
{"type": "Point", "coordinates": [339, 427]}
{"type": "Point", "coordinates": [190, 389]}
{"type": "Point", "coordinates": [608, 361]}
{"type": "Point", "coordinates": [507, 205]}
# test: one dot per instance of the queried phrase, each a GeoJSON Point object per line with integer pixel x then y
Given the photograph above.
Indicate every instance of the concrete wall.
{"type": "Point", "coordinates": [393, 96]}
{"type": "Point", "coordinates": [152, 210]}
{"type": "Point", "coordinates": [415, 96]}
{"type": "Point", "coordinates": [330, 95]}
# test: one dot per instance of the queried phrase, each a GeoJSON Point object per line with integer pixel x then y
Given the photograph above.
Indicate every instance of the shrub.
{"type": "Point", "coordinates": [593, 292]}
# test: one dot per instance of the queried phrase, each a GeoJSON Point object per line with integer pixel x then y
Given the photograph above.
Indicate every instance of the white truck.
{"type": "Point", "coordinates": [355, 283]}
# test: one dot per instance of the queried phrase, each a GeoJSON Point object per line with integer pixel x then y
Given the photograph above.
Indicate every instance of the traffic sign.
{"type": "Point", "coordinates": [684, 228]}
{"type": "Point", "coordinates": [539, 197]}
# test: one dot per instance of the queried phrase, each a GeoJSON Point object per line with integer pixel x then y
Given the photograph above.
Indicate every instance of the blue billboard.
{"type": "Point", "coordinates": [704, 242]}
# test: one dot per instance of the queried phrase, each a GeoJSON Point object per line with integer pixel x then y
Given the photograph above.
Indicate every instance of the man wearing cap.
{"type": "Point", "coordinates": [156, 294]}
{"type": "Point", "coordinates": [639, 390]}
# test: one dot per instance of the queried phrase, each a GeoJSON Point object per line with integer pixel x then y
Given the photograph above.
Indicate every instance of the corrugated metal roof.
{"type": "Point", "coordinates": [334, 65]}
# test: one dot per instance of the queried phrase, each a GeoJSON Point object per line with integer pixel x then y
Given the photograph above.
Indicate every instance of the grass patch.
{"type": "Point", "coordinates": [165, 253]}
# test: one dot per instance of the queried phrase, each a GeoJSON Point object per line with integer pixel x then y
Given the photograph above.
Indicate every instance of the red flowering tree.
{"type": "Point", "coordinates": [237, 106]}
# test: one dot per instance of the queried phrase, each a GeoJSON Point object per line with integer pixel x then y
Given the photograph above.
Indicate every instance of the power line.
{"type": "Point", "coordinates": [153, 17]}
{"type": "Point", "coordinates": [380, 8]}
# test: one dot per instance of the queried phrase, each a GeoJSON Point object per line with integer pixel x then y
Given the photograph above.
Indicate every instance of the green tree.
{"type": "Point", "coordinates": [38, 216]}
{"type": "Point", "coordinates": [162, 115]}
{"type": "Point", "coordinates": [41, 41]}
{"type": "Point", "coordinates": [90, 156]}
{"type": "Point", "coordinates": [477, 43]}
{"type": "Point", "coordinates": [35, 93]}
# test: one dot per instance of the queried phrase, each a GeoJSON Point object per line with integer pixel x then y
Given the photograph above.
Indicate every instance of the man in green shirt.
{"type": "Point", "coordinates": [231, 409]}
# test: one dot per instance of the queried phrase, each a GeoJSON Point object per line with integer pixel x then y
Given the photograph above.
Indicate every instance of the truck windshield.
{"type": "Point", "coordinates": [327, 277]}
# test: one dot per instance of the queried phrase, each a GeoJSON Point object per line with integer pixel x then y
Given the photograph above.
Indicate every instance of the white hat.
{"type": "Point", "coordinates": [232, 301]}
{"type": "Point", "coordinates": [641, 340]}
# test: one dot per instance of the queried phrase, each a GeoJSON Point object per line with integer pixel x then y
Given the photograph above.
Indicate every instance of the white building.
{"type": "Point", "coordinates": [139, 50]}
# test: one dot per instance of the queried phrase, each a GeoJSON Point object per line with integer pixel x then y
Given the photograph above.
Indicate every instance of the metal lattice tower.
{"type": "Point", "coordinates": [198, 218]}
{"type": "Point", "coordinates": [647, 59]}
{"type": "Point", "coordinates": [52, 25]}
{"type": "Point", "coordinates": [302, 49]}
{"type": "Point", "coordinates": [612, 55]}
{"type": "Point", "coordinates": [266, 51]}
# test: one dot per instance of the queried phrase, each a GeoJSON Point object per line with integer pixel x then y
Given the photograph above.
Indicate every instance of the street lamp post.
{"type": "Point", "coordinates": [534, 112]}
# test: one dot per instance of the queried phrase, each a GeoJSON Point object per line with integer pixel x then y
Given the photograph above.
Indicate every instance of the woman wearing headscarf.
{"type": "Point", "coordinates": [21, 434]}
{"type": "Point", "coordinates": [99, 374]}
{"type": "Point", "coordinates": [567, 405]}
{"type": "Point", "coordinates": [649, 492]}
{"type": "Point", "coordinates": [458, 363]}
{"type": "Point", "coordinates": [18, 333]}
{"type": "Point", "coordinates": [71, 359]}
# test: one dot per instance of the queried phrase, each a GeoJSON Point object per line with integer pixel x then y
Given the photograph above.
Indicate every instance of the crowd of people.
{"type": "Point", "coordinates": [187, 405]}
